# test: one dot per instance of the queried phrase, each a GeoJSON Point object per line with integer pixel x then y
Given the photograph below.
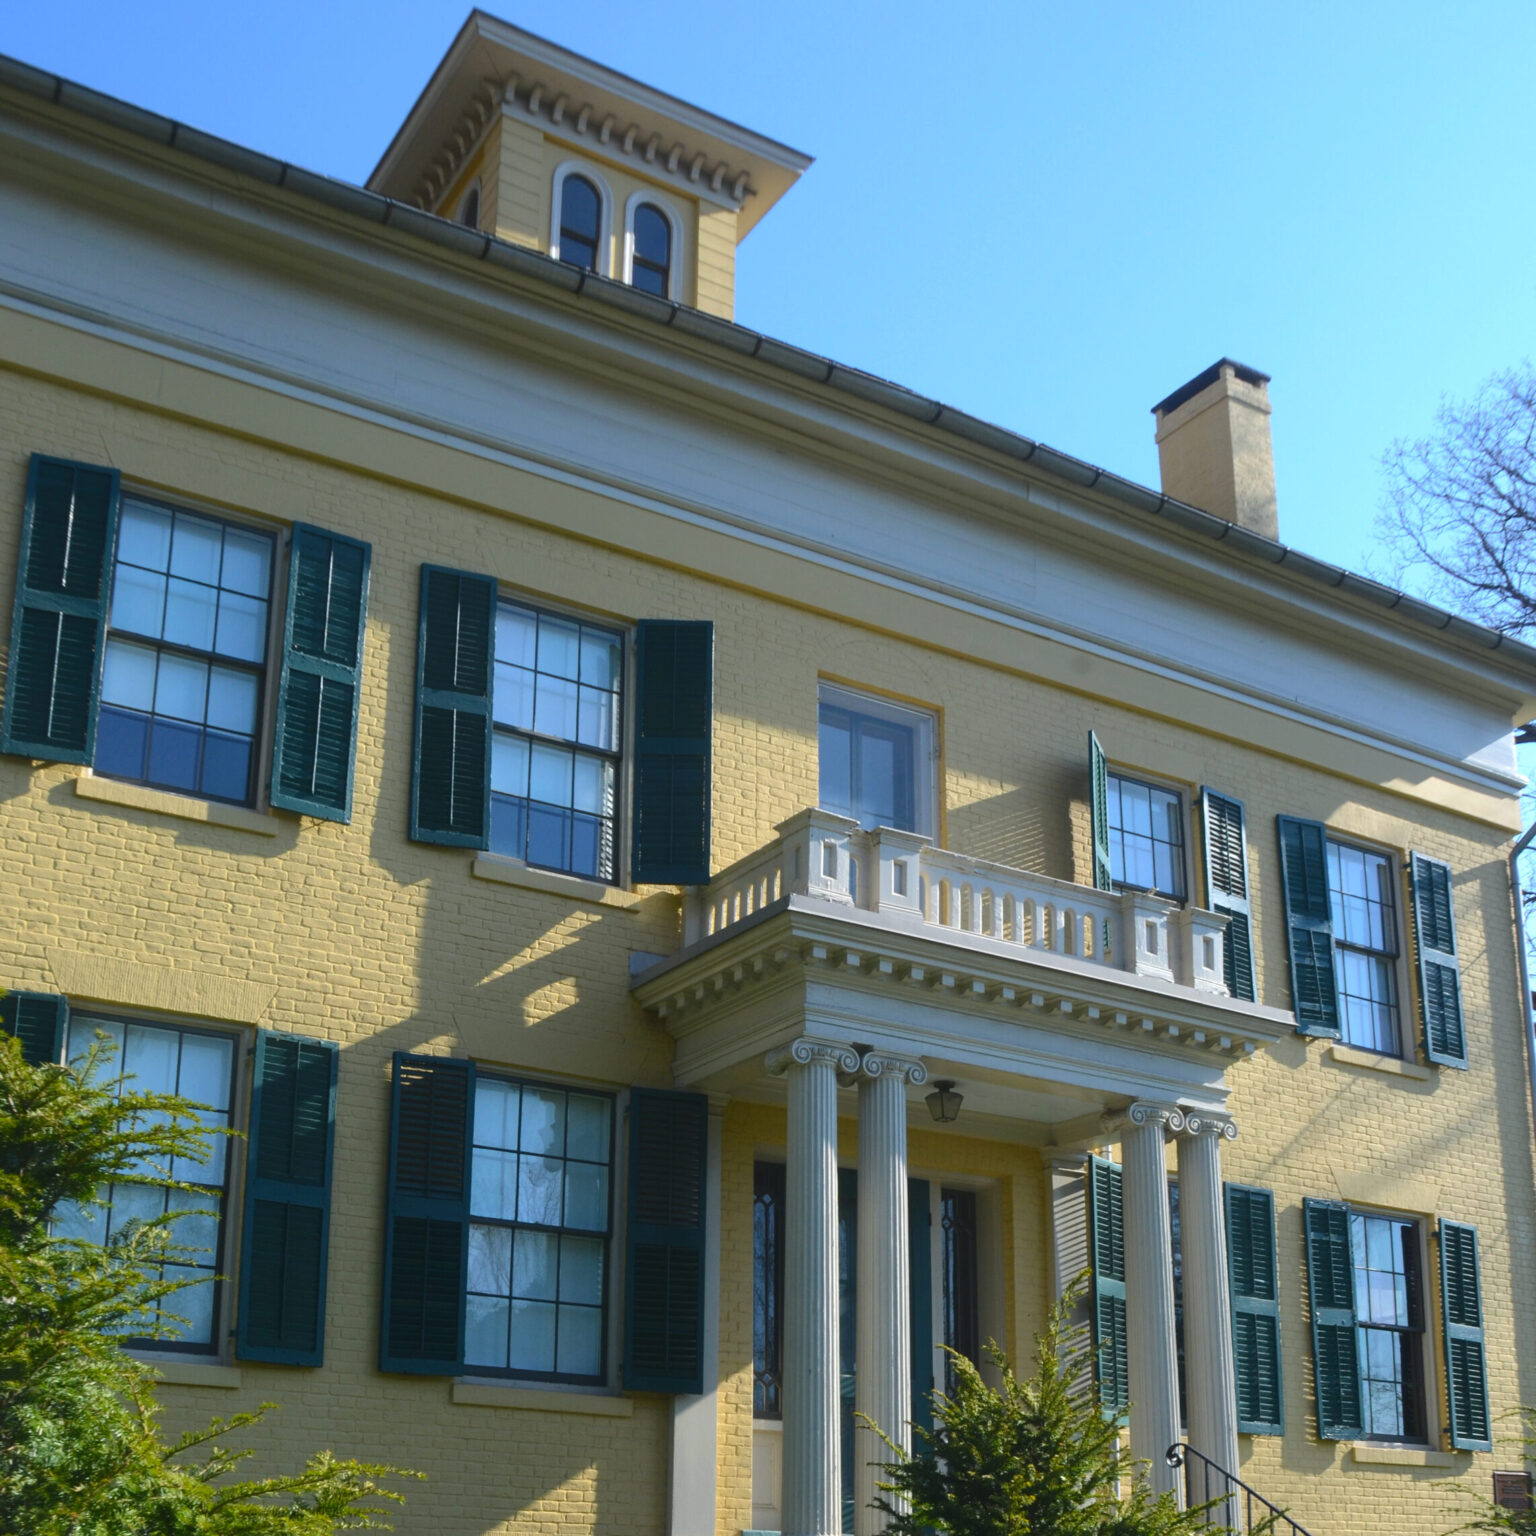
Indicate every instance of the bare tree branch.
{"type": "Point", "coordinates": [1458, 519]}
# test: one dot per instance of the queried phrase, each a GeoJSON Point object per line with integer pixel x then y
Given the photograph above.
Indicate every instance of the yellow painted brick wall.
{"type": "Point", "coordinates": [355, 933]}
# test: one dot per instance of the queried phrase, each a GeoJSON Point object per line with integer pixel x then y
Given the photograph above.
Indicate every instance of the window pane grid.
{"type": "Point", "coordinates": [1389, 1314]}
{"type": "Point", "coordinates": [767, 1291]}
{"type": "Point", "coordinates": [185, 651]}
{"type": "Point", "coordinates": [555, 752]}
{"type": "Point", "coordinates": [200, 1067]}
{"type": "Point", "coordinates": [1363, 908]}
{"type": "Point", "coordinates": [1146, 837]}
{"type": "Point", "coordinates": [961, 1302]}
{"type": "Point", "coordinates": [538, 1239]}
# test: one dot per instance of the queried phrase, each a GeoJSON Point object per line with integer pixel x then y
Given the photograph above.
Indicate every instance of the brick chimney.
{"type": "Point", "coordinates": [1213, 445]}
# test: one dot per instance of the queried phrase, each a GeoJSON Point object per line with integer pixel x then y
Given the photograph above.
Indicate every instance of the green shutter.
{"type": "Point", "coordinates": [664, 1242]}
{"type": "Point", "coordinates": [1226, 885]}
{"type": "Point", "coordinates": [315, 739]}
{"type": "Point", "coordinates": [451, 785]}
{"type": "Point", "coordinates": [1465, 1359]}
{"type": "Point", "coordinates": [1253, 1282]}
{"type": "Point", "coordinates": [63, 581]}
{"type": "Point", "coordinates": [1309, 925]}
{"type": "Point", "coordinates": [1098, 814]}
{"type": "Point", "coordinates": [1434, 932]}
{"type": "Point", "coordinates": [286, 1233]}
{"type": "Point", "coordinates": [1331, 1280]}
{"type": "Point", "coordinates": [426, 1224]}
{"type": "Point", "coordinates": [39, 1020]}
{"type": "Point", "coordinates": [920, 1266]}
{"type": "Point", "coordinates": [674, 690]}
{"type": "Point", "coordinates": [1106, 1244]}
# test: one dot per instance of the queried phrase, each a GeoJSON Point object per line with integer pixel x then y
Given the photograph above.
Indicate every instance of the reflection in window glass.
{"type": "Point", "coordinates": [186, 648]}
{"type": "Point", "coordinates": [197, 1065]}
{"type": "Point", "coordinates": [768, 1291]}
{"type": "Point", "coordinates": [651, 260]}
{"type": "Point", "coordinates": [1360, 897]}
{"type": "Point", "coordinates": [875, 761]}
{"type": "Point", "coordinates": [580, 222]}
{"type": "Point", "coordinates": [1146, 837]}
{"type": "Point", "coordinates": [555, 752]}
{"type": "Point", "coordinates": [538, 1237]}
{"type": "Point", "coordinates": [1390, 1313]}
{"type": "Point", "coordinates": [961, 1290]}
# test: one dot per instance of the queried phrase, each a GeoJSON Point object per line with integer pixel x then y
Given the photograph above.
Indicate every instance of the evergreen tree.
{"type": "Point", "coordinates": [82, 1452]}
{"type": "Point", "coordinates": [1028, 1458]}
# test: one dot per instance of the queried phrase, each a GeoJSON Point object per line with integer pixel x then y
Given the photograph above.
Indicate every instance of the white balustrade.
{"type": "Point", "coordinates": [905, 879]}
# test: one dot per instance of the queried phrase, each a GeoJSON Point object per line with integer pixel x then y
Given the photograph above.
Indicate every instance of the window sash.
{"type": "Point", "coordinates": [911, 791]}
{"type": "Point", "coordinates": [1405, 1330]}
{"type": "Point", "coordinates": [768, 1291]}
{"type": "Point", "coordinates": [1366, 1021]}
{"type": "Point", "coordinates": [1161, 801]}
{"type": "Point", "coordinates": [601, 1235]}
{"type": "Point", "coordinates": [959, 1267]}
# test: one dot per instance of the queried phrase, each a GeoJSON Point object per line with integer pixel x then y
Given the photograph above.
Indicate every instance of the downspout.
{"type": "Point", "coordinates": [1524, 965]}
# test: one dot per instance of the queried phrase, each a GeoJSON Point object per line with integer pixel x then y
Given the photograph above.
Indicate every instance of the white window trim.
{"type": "Point", "coordinates": [604, 211]}
{"type": "Point", "coordinates": [662, 206]}
{"type": "Point", "coordinates": [1409, 1043]}
{"type": "Point", "coordinates": [926, 723]}
{"type": "Point", "coordinates": [1186, 799]}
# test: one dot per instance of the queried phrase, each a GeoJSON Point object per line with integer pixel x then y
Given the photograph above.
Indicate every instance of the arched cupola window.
{"type": "Point", "coordinates": [469, 208]}
{"type": "Point", "coordinates": [581, 219]}
{"type": "Point", "coordinates": [651, 261]}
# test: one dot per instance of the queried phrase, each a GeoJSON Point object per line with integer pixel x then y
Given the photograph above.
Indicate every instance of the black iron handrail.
{"type": "Point", "coordinates": [1238, 1507]}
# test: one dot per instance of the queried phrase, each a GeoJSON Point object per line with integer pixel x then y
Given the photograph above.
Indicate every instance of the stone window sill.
{"type": "Point", "coordinates": [510, 872]}
{"type": "Point", "coordinates": [480, 1394]}
{"type": "Point", "coordinates": [1348, 1056]}
{"type": "Point", "coordinates": [1400, 1456]}
{"type": "Point", "coordinates": [193, 1373]}
{"type": "Point", "coordinates": [141, 798]}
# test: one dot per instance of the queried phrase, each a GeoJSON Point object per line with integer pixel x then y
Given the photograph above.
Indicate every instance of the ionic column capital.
{"type": "Point", "coordinates": [808, 1050]}
{"type": "Point", "coordinates": [884, 1064]}
{"type": "Point", "coordinates": [1199, 1122]}
{"type": "Point", "coordinates": [1147, 1112]}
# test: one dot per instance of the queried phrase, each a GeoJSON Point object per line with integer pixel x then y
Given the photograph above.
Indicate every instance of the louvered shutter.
{"type": "Point", "coordinates": [664, 1242]}
{"type": "Point", "coordinates": [451, 785]}
{"type": "Point", "coordinates": [1098, 814]}
{"type": "Point", "coordinates": [1226, 885]}
{"type": "Point", "coordinates": [426, 1228]}
{"type": "Point", "coordinates": [1331, 1280]}
{"type": "Point", "coordinates": [674, 701]}
{"type": "Point", "coordinates": [37, 1019]}
{"type": "Point", "coordinates": [1106, 1219]}
{"type": "Point", "coordinates": [1465, 1358]}
{"type": "Point", "coordinates": [920, 1269]}
{"type": "Point", "coordinates": [1309, 925]}
{"type": "Point", "coordinates": [287, 1217]}
{"type": "Point", "coordinates": [315, 739]}
{"type": "Point", "coordinates": [63, 580]}
{"type": "Point", "coordinates": [1253, 1281]}
{"type": "Point", "coordinates": [1434, 931]}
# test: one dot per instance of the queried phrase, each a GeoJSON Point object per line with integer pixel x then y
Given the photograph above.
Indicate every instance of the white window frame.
{"type": "Point", "coordinates": [665, 208]}
{"type": "Point", "coordinates": [604, 211]}
{"type": "Point", "coordinates": [925, 798]}
{"type": "Point", "coordinates": [1186, 823]}
{"type": "Point", "coordinates": [1409, 1046]}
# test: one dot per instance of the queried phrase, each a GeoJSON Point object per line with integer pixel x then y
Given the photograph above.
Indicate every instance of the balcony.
{"type": "Point", "coordinates": [917, 888]}
{"type": "Point", "coordinates": [1053, 1002]}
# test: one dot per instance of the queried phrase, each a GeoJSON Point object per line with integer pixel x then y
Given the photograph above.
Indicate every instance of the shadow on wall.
{"type": "Point", "coordinates": [1029, 828]}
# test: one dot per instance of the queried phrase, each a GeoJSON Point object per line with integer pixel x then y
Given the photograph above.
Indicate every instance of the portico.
{"type": "Point", "coordinates": [863, 964]}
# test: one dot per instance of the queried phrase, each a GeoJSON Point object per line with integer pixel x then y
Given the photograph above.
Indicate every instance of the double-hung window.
{"type": "Point", "coordinates": [876, 761]}
{"type": "Point", "coordinates": [1146, 837]}
{"type": "Point", "coordinates": [199, 1065]}
{"type": "Point", "coordinates": [1389, 1311]}
{"type": "Point", "coordinates": [540, 1221]}
{"type": "Point", "coordinates": [186, 652]}
{"type": "Point", "coordinates": [1365, 949]}
{"type": "Point", "coordinates": [555, 751]}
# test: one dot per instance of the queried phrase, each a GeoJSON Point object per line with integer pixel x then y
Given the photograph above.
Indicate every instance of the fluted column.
{"type": "Point", "coordinates": [1149, 1324]}
{"type": "Point", "coordinates": [1207, 1313]}
{"type": "Point", "coordinates": [811, 1504]}
{"type": "Point", "coordinates": [883, 1383]}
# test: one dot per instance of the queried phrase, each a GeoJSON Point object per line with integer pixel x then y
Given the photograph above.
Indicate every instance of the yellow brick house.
{"type": "Point", "coordinates": [705, 877]}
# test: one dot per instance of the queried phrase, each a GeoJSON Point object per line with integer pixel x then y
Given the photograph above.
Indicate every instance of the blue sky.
{"type": "Point", "coordinates": [1049, 215]}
